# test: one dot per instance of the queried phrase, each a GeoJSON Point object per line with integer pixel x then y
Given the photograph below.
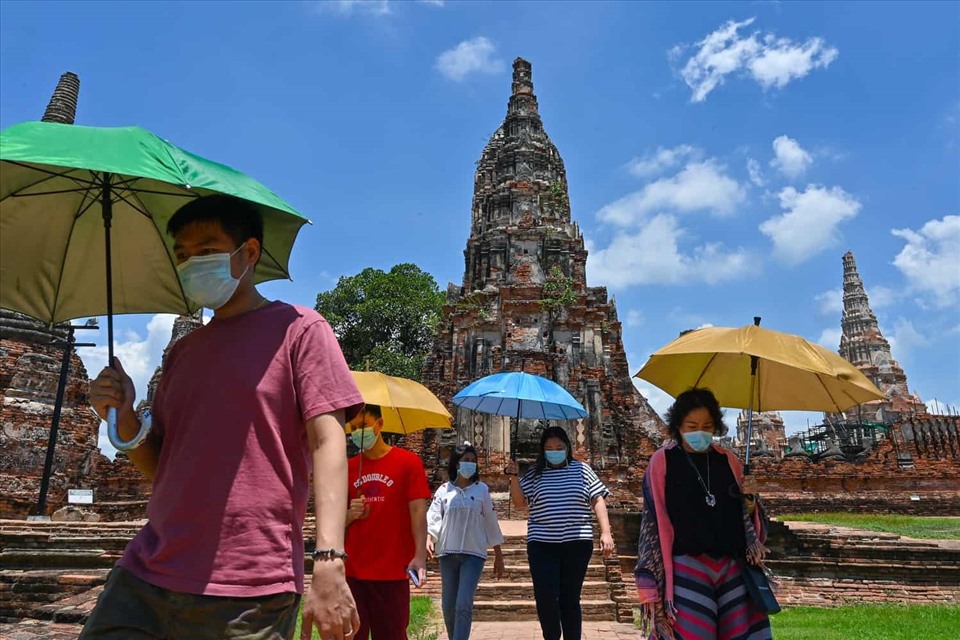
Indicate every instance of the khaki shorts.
{"type": "Point", "coordinates": [131, 609]}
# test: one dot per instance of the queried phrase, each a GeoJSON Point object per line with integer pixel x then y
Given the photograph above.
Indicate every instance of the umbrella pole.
{"type": "Point", "coordinates": [106, 206]}
{"type": "Point", "coordinates": [753, 382]}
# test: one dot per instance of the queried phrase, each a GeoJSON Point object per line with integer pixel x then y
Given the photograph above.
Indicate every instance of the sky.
{"type": "Point", "coordinates": [721, 156]}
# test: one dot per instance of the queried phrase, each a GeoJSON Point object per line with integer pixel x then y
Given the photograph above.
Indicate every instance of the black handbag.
{"type": "Point", "coordinates": [758, 588]}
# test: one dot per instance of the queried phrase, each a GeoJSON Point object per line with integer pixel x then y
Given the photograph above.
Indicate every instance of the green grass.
{"type": "Point", "coordinates": [422, 625]}
{"type": "Point", "coordinates": [911, 526]}
{"type": "Point", "coordinates": [867, 622]}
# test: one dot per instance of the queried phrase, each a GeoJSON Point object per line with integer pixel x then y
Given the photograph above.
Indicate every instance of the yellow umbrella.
{"type": "Point", "coordinates": [759, 370]}
{"type": "Point", "coordinates": [406, 406]}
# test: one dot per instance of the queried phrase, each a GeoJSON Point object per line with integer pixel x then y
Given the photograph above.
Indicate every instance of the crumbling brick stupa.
{"type": "Point", "coordinates": [862, 344]}
{"type": "Point", "coordinates": [524, 305]}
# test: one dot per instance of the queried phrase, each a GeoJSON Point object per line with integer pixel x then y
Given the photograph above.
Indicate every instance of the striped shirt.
{"type": "Point", "coordinates": [561, 501]}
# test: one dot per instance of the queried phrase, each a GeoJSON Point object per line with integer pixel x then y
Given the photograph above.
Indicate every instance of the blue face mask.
{"type": "Point", "coordinates": [467, 470]}
{"type": "Point", "coordinates": [364, 439]}
{"type": "Point", "coordinates": [699, 441]}
{"type": "Point", "coordinates": [556, 457]}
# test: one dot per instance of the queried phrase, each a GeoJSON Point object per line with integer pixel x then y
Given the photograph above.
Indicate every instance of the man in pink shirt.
{"type": "Point", "coordinates": [248, 405]}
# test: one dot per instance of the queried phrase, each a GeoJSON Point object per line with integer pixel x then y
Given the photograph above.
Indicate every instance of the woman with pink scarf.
{"type": "Point", "coordinates": [702, 519]}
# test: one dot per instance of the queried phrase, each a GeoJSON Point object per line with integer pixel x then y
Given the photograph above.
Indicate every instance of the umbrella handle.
{"type": "Point", "coordinates": [113, 430]}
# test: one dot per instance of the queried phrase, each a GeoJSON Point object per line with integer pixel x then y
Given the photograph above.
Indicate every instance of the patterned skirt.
{"type": "Point", "coordinates": [712, 602]}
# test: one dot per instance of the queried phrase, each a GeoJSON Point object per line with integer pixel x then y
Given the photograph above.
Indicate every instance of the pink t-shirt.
{"type": "Point", "coordinates": [230, 493]}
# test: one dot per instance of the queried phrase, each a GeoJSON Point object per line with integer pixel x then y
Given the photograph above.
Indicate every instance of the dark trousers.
{"type": "Point", "coordinates": [383, 606]}
{"type": "Point", "coordinates": [558, 570]}
{"type": "Point", "coordinates": [131, 609]}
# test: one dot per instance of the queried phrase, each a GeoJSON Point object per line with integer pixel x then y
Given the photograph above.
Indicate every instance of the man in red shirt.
{"type": "Point", "coordinates": [248, 405]}
{"type": "Point", "coordinates": [387, 528]}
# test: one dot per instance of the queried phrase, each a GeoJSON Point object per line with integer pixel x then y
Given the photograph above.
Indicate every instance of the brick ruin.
{"type": "Point", "coordinates": [769, 433]}
{"type": "Point", "coordinates": [30, 358]}
{"type": "Point", "coordinates": [524, 304]}
{"type": "Point", "coordinates": [863, 345]}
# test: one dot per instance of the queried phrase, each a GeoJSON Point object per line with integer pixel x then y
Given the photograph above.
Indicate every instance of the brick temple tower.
{"type": "Point", "coordinates": [769, 432]}
{"type": "Point", "coordinates": [524, 304]}
{"type": "Point", "coordinates": [864, 346]}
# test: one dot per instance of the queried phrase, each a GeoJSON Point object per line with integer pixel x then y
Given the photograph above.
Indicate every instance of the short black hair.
{"type": "Point", "coordinates": [691, 400]}
{"type": "Point", "coordinates": [552, 432]}
{"type": "Point", "coordinates": [454, 462]}
{"type": "Point", "coordinates": [240, 219]}
{"type": "Point", "coordinates": [373, 410]}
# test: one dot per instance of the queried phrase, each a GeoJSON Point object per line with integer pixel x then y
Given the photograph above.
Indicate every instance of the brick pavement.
{"type": "Point", "coordinates": [41, 630]}
{"type": "Point", "coordinates": [530, 630]}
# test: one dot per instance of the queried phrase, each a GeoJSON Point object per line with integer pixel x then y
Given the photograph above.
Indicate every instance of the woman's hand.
{"type": "Point", "coordinates": [606, 544]}
{"type": "Point", "coordinates": [430, 547]}
{"type": "Point", "coordinates": [499, 570]}
{"type": "Point", "coordinates": [512, 469]}
{"type": "Point", "coordinates": [756, 554]}
{"type": "Point", "coordinates": [749, 486]}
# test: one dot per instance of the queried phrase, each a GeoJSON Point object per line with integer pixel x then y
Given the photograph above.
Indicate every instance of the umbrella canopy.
{"type": "Point", "coordinates": [791, 373]}
{"type": "Point", "coordinates": [52, 193]}
{"type": "Point", "coordinates": [406, 406]}
{"type": "Point", "coordinates": [520, 395]}
{"type": "Point", "coordinates": [75, 200]}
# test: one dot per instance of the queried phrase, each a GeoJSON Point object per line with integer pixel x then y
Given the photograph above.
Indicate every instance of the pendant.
{"type": "Point", "coordinates": [711, 500]}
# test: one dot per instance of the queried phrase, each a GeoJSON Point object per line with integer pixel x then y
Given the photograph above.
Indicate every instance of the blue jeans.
{"type": "Point", "coordinates": [460, 574]}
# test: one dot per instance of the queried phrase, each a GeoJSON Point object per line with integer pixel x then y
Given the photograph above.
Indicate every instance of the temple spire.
{"type": "Point", "coordinates": [62, 107]}
{"type": "Point", "coordinates": [863, 345]}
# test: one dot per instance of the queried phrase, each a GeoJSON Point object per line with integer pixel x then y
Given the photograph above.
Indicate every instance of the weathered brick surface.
{"type": "Point", "coordinates": [29, 373]}
{"type": "Point", "coordinates": [525, 305]}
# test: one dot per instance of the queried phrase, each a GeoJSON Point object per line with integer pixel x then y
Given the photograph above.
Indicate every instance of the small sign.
{"type": "Point", "coordinates": [915, 498]}
{"type": "Point", "coordinates": [80, 496]}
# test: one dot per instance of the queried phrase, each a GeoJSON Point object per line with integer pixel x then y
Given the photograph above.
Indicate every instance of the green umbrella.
{"type": "Point", "coordinates": [67, 191]}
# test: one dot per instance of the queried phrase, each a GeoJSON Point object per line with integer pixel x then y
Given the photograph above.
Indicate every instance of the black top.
{"type": "Point", "coordinates": [699, 528]}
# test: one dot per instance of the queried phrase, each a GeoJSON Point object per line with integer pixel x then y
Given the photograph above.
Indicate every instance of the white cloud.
{"type": "Point", "coordinates": [830, 302]}
{"type": "Point", "coordinates": [705, 325]}
{"type": "Point", "coordinates": [755, 172]}
{"type": "Point", "coordinates": [635, 318]}
{"type": "Point", "coordinates": [810, 223]}
{"type": "Point", "coordinates": [881, 296]}
{"type": "Point", "coordinates": [653, 163]}
{"type": "Point", "coordinates": [139, 355]}
{"type": "Point", "coordinates": [653, 256]}
{"type": "Point", "coordinates": [930, 261]}
{"type": "Point", "coordinates": [772, 62]}
{"type": "Point", "coordinates": [830, 338]}
{"type": "Point", "coordinates": [904, 339]}
{"type": "Point", "coordinates": [432, 3]}
{"type": "Point", "coordinates": [700, 186]}
{"type": "Point", "coordinates": [470, 56]}
{"type": "Point", "coordinates": [351, 7]}
{"type": "Point", "coordinates": [791, 159]}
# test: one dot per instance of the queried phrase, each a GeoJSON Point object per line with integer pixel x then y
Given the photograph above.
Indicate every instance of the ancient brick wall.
{"type": "Point", "coordinates": [29, 373]}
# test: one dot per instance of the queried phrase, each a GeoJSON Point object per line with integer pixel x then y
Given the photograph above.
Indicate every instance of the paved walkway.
{"type": "Point", "coordinates": [531, 631]}
{"type": "Point", "coordinates": [37, 630]}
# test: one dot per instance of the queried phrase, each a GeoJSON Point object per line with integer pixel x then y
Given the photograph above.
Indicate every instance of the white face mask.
{"type": "Point", "coordinates": [207, 280]}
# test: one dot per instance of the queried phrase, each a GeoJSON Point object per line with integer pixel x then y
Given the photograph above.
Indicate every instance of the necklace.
{"type": "Point", "coordinates": [710, 499]}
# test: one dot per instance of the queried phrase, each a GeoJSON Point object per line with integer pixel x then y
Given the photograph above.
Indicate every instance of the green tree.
{"type": "Point", "coordinates": [384, 319]}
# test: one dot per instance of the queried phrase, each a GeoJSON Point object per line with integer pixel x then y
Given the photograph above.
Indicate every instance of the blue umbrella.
{"type": "Point", "coordinates": [520, 395]}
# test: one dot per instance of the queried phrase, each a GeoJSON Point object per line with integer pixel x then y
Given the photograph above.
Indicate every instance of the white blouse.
{"type": "Point", "coordinates": [463, 520]}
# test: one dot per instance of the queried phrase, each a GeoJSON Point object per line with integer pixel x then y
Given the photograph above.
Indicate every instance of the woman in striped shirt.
{"type": "Point", "coordinates": [562, 495]}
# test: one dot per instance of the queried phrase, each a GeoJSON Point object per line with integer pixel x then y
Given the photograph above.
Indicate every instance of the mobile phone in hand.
{"type": "Point", "coordinates": [414, 576]}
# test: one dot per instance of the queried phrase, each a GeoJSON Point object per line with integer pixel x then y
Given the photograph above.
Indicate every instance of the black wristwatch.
{"type": "Point", "coordinates": [329, 554]}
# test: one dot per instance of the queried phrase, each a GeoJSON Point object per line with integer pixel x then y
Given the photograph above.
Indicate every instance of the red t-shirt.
{"type": "Point", "coordinates": [381, 546]}
{"type": "Point", "coordinates": [230, 493]}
